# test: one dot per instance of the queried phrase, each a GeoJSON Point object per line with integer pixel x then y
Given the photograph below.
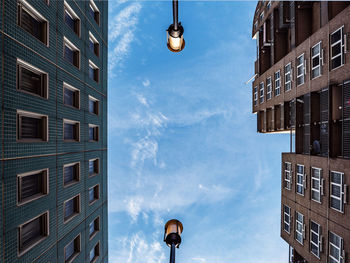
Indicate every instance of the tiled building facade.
{"type": "Point", "coordinates": [53, 131]}
{"type": "Point", "coordinates": [302, 87]}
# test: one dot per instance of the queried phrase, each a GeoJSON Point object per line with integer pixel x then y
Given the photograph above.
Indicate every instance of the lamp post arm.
{"type": "Point", "coordinates": [172, 253]}
{"type": "Point", "coordinates": [175, 14]}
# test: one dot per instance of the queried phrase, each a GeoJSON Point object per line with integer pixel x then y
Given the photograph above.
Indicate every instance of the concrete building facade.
{"type": "Point", "coordinates": [53, 131]}
{"type": "Point", "coordinates": [302, 87]}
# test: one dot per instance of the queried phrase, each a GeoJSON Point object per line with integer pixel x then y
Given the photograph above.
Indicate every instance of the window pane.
{"type": "Point", "coordinates": [31, 185]}
{"type": "Point", "coordinates": [31, 128]}
{"type": "Point", "coordinates": [69, 20]}
{"type": "Point", "coordinates": [31, 82]}
{"type": "Point", "coordinates": [70, 131]}
{"type": "Point", "coordinates": [69, 250]}
{"type": "Point", "coordinates": [91, 228]}
{"type": "Point", "coordinates": [69, 97]}
{"type": "Point", "coordinates": [31, 25]}
{"type": "Point", "coordinates": [69, 54]}
{"type": "Point", "coordinates": [31, 231]}
{"type": "Point", "coordinates": [92, 254]}
{"type": "Point", "coordinates": [91, 194]}
{"type": "Point", "coordinates": [69, 208]}
{"type": "Point", "coordinates": [336, 36]}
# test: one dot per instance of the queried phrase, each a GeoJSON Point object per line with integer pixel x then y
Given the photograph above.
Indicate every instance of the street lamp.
{"type": "Point", "coordinates": [172, 236]}
{"type": "Point", "coordinates": [175, 40]}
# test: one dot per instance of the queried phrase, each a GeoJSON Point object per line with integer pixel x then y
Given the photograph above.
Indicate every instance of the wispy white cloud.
{"type": "Point", "coordinates": [201, 260]}
{"type": "Point", "coordinates": [146, 83]}
{"type": "Point", "coordinates": [122, 33]}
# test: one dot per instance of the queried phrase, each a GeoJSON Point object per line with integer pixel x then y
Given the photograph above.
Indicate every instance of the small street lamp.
{"type": "Point", "coordinates": [172, 236]}
{"type": "Point", "coordinates": [175, 40]}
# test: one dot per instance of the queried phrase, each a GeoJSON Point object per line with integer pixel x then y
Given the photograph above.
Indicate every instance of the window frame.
{"type": "Point", "coordinates": [319, 239]}
{"type": "Point", "coordinates": [320, 60]}
{"type": "Point", "coordinates": [288, 177]}
{"type": "Point", "coordinates": [341, 254]}
{"type": "Point", "coordinates": [23, 64]}
{"type": "Point", "coordinates": [91, 98]}
{"type": "Point", "coordinates": [96, 129]}
{"type": "Point", "coordinates": [74, 89]}
{"type": "Point", "coordinates": [278, 80]}
{"type": "Point", "coordinates": [93, 6]}
{"type": "Point", "coordinates": [94, 40]}
{"type": "Point", "coordinates": [342, 194]}
{"type": "Point", "coordinates": [96, 191]}
{"type": "Point", "coordinates": [71, 122]}
{"type": "Point", "coordinates": [261, 92]}
{"type": "Point", "coordinates": [94, 67]}
{"type": "Point", "coordinates": [320, 183]}
{"type": "Point", "coordinates": [75, 213]}
{"type": "Point", "coordinates": [67, 43]}
{"type": "Point", "coordinates": [96, 254]}
{"type": "Point", "coordinates": [303, 180]}
{"type": "Point", "coordinates": [24, 5]}
{"type": "Point", "coordinates": [93, 234]}
{"type": "Point", "coordinates": [98, 166]}
{"type": "Point", "coordinates": [303, 69]}
{"type": "Point", "coordinates": [269, 88]}
{"type": "Point", "coordinates": [76, 253]}
{"type": "Point", "coordinates": [77, 180]}
{"type": "Point", "coordinates": [289, 218]}
{"type": "Point", "coordinates": [67, 8]}
{"type": "Point", "coordinates": [46, 229]}
{"type": "Point", "coordinates": [342, 48]}
{"type": "Point", "coordinates": [28, 114]}
{"type": "Point", "coordinates": [45, 186]}
{"type": "Point", "coordinates": [299, 233]}
{"type": "Point", "coordinates": [288, 83]}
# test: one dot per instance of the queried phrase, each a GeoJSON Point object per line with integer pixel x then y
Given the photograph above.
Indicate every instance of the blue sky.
{"type": "Point", "coordinates": [183, 141]}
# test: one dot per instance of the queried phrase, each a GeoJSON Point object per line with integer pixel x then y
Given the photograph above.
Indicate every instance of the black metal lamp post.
{"type": "Point", "coordinates": [172, 236]}
{"type": "Point", "coordinates": [175, 40]}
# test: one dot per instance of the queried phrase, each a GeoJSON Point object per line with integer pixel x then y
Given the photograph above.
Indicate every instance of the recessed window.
{"type": "Point", "coordinates": [262, 16]}
{"type": "Point", "coordinates": [255, 95]}
{"type": "Point", "coordinates": [94, 227]}
{"type": "Point", "coordinates": [286, 218]}
{"type": "Point", "coordinates": [268, 88]}
{"type": "Point", "coordinates": [268, 5]}
{"type": "Point", "coordinates": [316, 184]}
{"type": "Point", "coordinates": [94, 45]}
{"type": "Point", "coordinates": [94, 194]}
{"type": "Point", "coordinates": [71, 173]}
{"type": "Point", "coordinates": [287, 175]}
{"type": "Point", "coordinates": [31, 79]}
{"type": "Point", "coordinates": [337, 191]}
{"type": "Point", "coordinates": [71, 53]}
{"type": "Point", "coordinates": [93, 71]}
{"type": "Point", "coordinates": [94, 166]}
{"type": "Point", "coordinates": [287, 77]}
{"type": "Point", "coordinates": [71, 96]}
{"type": "Point", "coordinates": [316, 60]}
{"type": "Point", "coordinates": [31, 127]}
{"type": "Point", "coordinates": [71, 130]}
{"type": "Point", "coordinates": [93, 105]}
{"type": "Point", "coordinates": [94, 253]}
{"type": "Point", "coordinates": [301, 70]}
{"type": "Point", "coordinates": [261, 90]}
{"type": "Point", "coordinates": [71, 19]}
{"type": "Point", "coordinates": [32, 21]}
{"type": "Point", "coordinates": [32, 185]}
{"type": "Point", "coordinates": [71, 208]}
{"type": "Point", "coordinates": [72, 250]}
{"type": "Point", "coordinates": [315, 238]}
{"type": "Point", "coordinates": [337, 48]}
{"type": "Point", "coordinates": [93, 132]}
{"type": "Point", "coordinates": [336, 249]}
{"type": "Point", "coordinates": [33, 232]}
{"type": "Point", "coordinates": [94, 12]}
{"type": "Point", "coordinates": [277, 83]}
{"type": "Point", "coordinates": [299, 227]}
{"type": "Point", "coordinates": [301, 180]}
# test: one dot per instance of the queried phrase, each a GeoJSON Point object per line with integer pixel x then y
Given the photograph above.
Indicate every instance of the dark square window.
{"type": "Point", "coordinates": [95, 252]}
{"type": "Point", "coordinates": [94, 12]}
{"type": "Point", "coordinates": [94, 227]}
{"type": "Point", "coordinates": [72, 55]}
{"type": "Point", "coordinates": [71, 207]}
{"type": "Point", "coordinates": [93, 73]}
{"type": "Point", "coordinates": [93, 105]}
{"type": "Point", "coordinates": [93, 167]}
{"type": "Point", "coordinates": [94, 194]}
{"type": "Point", "coordinates": [31, 81]}
{"type": "Point", "coordinates": [71, 97]}
{"type": "Point", "coordinates": [71, 131]}
{"type": "Point", "coordinates": [31, 127]}
{"type": "Point", "coordinates": [72, 21]}
{"type": "Point", "coordinates": [71, 173]}
{"type": "Point", "coordinates": [32, 185]}
{"type": "Point", "coordinates": [72, 250]}
{"type": "Point", "coordinates": [93, 133]}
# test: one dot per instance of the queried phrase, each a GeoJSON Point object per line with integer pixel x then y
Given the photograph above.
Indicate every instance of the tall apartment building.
{"type": "Point", "coordinates": [302, 86]}
{"type": "Point", "coordinates": [53, 131]}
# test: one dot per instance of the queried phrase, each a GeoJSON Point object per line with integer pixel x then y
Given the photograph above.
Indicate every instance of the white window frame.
{"type": "Point", "coordinates": [255, 95]}
{"type": "Point", "coordinates": [34, 13]}
{"type": "Point", "coordinates": [342, 47]}
{"type": "Point", "coordinates": [45, 183]}
{"type": "Point", "coordinates": [278, 83]}
{"type": "Point", "coordinates": [319, 238]}
{"type": "Point", "coordinates": [288, 83]}
{"type": "Point", "coordinates": [302, 68]}
{"type": "Point", "coordinates": [299, 224]}
{"type": "Point", "coordinates": [343, 188]}
{"type": "Point", "coordinates": [261, 92]}
{"type": "Point", "coordinates": [320, 60]}
{"type": "Point", "coordinates": [341, 251]}
{"type": "Point", "coordinates": [73, 182]}
{"type": "Point", "coordinates": [287, 176]}
{"type": "Point", "coordinates": [72, 14]}
{"type": "Point", "coordinates": [70, 87]}
{"type": "Point", "coordinates": [47, 232]}
{"type": "Point", "coordinates": [301, 184]}
{"type": "Point", "coordinates": [320, 183]}
{"type": "Point", "coordinates": [71, 122]}
{"type": "Point", "coordinates": [71, 46]}
{"type": "Point", "coordinates": [289, 219]}
{"type": "Point", "coordinates": [269, 88]}
{"type": "Point", "coordinates": [33, 115]}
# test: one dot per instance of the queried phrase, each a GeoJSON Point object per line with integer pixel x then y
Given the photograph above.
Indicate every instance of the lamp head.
{"type": "Point", "coordinates": [175, 40]}
{"type": "Point", "coordinates": [172, 232]}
